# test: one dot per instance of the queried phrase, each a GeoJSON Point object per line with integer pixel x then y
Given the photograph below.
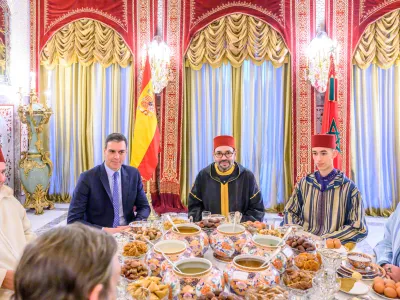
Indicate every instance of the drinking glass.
{"type": "Point", "coordinates": [234, 215]}
{"type": "Point", "coordinates": [183, 216]}
{"type": "Point", "coordinates": [205, 215]}
{"type": "Point", "coordinates": [295, 294]}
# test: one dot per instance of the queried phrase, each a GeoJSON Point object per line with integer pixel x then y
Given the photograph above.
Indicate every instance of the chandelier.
{"type": "Point", "coordinates": [160, 63]}
{"type": "Point", "coordinates": [318, 54]}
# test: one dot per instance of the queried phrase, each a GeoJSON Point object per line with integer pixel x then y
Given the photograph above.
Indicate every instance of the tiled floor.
{"type": "Point", "coordinates": [49, 219]}
{"type": "Point", "coordinates": [58, 217]}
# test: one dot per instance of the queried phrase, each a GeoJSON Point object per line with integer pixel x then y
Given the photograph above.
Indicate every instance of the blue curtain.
{"type": "Point", "coordinates": [109, 116]}
{"type": "Point", "coordinates": [111, 111]}
{"type": "Point", "coordinates": [263, 128]}
{"type": "Point", "coordinates": [262, 122]}
{"type": "Point", "coordinates": [375, 137]}
{"type": "Point", "coordinates": [211, 114]}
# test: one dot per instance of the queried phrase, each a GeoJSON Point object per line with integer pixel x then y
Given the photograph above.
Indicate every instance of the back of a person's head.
{"type": "Point", "coordinates": [66, 263]}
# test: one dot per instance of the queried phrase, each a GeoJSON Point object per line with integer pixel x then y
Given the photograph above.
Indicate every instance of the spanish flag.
{"type": "Point", "coordinates": [330, 123]}
{"type": "Point", "coordinates": [146, 136]}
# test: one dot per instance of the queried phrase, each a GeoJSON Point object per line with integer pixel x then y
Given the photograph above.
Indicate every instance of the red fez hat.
{"type": "Point", "coordinates": [2, 157]}
{"type": "Point", "coordinates": [323, 140]}
{"type": "Point", "coordinates": [224, 140]}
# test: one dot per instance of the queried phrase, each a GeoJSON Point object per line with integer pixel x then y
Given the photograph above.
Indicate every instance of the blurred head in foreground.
{"type": "Point", "coordinates": [70, 262]}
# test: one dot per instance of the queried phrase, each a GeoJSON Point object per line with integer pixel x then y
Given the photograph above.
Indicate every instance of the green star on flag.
{"type": "Point", "coordinates": [334, 130]}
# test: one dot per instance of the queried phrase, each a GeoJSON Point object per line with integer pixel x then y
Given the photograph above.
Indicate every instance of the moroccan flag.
{"type": "Point", "coordinates": [330, 117]}
{"type": "Point", "coordinates": [146, 138]}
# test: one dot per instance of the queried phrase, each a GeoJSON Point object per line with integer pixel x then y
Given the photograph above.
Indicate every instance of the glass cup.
{"type": "Point", "coordinates": [205, 215]}
{"type": "Point", "coordinates": [320, 243]}
{"type": "Point", "coordinates": [183, 216]}
{"type": "Point", "coordinates": [295, 294]}
{"type": "Point", "coordinates": [234, 216]}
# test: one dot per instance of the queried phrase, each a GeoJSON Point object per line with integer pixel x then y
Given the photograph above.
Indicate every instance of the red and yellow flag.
{"type": "Point", "coordinates": [330, 123]}
{"type": "Point", "coordinates": [146, 136]}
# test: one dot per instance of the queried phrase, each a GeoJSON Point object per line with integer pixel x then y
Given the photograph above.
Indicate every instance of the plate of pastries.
{"type": "Point", "coordinates": [167, 225]}
{"type": "Point", "coordinates": [308, 261]}
{"type": "Point", "coordinates": [133, 269]}
{"type": "Point", "coordinates": [298, 279]}
{"type": "Point", "coordinates": [219, 295]}
{"type": "Point", "coordinates": [254, 227]}
{"type": "Point", "coordinates": [301, 243]}
{"type": "Point", "coordinates": [135, 249]}
{"type": "Point", "coordinates": [148, 233]}
{"type": "Point", "coordinates": [157, 289]}
{"type": "Point", "coordinates": [267, 292]}
{"type": "Point", "coordinates": [211, 223]}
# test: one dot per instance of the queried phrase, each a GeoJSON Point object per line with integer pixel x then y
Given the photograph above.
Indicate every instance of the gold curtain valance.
{"type": "Point", "coordinates": [235, 38]}
{"type": "Point", "coordinates": [380, 43]}
{"type": "Point", "coordinates": [86, 41]}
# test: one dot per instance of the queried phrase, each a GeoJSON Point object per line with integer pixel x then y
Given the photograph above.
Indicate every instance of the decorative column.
{"type": "Point", "coordinates": [35, 166]}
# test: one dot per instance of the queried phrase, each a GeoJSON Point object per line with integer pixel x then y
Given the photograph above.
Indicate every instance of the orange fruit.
{"type": "Point", "coordinates": [390, 292]}
{"type": "Point", "coordinates": [379, 279]}
{"type": "Point", "coordinates": [330, 244]}
{"type": "Point", "coordinates": [337, 243]}
{"type": "Point", "coordinates": [397, 284]}
{"type": "Point", "coordinates": [390, 281]}
{"type": "Point", "coordinates": [379, 287]}
{"type": "Point", "coordinates": [391, 285]}
{"type": "Point", "coordinates": [398, 291]}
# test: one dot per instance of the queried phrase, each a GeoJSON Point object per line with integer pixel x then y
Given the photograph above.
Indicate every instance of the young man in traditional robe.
{"type": "Point", "coordinates": [15, 233]}
{"type": "Point", "coordinates": [226, 186]}
{"type": "Point", "coordinates": [327, 203]}
{"type": "Point", "coordinates": [388, 250]}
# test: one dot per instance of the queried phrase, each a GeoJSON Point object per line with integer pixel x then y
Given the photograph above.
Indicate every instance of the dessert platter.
{"type": "Point", "coordinates": [210, 224]}
{"type": "Point", "coordinates": [214, 259]}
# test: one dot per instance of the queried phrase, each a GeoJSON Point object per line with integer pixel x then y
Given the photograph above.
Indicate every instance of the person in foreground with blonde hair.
{"type": "Point", "coordinates": [70, 262]}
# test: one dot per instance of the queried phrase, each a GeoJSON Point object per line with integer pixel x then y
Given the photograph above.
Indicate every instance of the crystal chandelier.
{"type": "Point", "coordinates": [318, 57]}
{"type": "Point", "coordinates": [160, 57]}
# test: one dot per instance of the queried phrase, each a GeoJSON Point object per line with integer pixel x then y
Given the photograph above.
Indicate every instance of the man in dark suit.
{"type": "Point", "coordinates": [106, 195]}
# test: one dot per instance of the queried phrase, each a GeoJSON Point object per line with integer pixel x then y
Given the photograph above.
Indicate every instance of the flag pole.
{"type": "Point", "coordinates": [153, 215]}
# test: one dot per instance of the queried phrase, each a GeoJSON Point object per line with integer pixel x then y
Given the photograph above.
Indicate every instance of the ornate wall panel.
{"type": "Point", "coordinates": [171, 105]}
{"type": "Point", "coordinates": [7, 140]}
{"type": "Point", "coordinates": [303, 30]}
{"type": "Point", "coordinates": [357, 15]}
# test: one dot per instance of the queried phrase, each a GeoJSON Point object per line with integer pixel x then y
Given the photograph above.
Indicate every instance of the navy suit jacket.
{"type": "Point", "coordinates": [91, 202]}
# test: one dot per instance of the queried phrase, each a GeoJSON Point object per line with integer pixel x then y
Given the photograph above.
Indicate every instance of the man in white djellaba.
{"type": "Point", "coordinates": [15, 233]}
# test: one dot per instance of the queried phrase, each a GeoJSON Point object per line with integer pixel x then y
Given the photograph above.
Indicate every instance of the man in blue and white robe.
{"type": "Point", "coordinates": [388, 250]}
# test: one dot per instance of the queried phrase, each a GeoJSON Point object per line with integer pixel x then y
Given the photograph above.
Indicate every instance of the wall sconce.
{"type": "Point", "coordinates": [318, 60]}
{"type": "Point", "coordinates": [160, 60]}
